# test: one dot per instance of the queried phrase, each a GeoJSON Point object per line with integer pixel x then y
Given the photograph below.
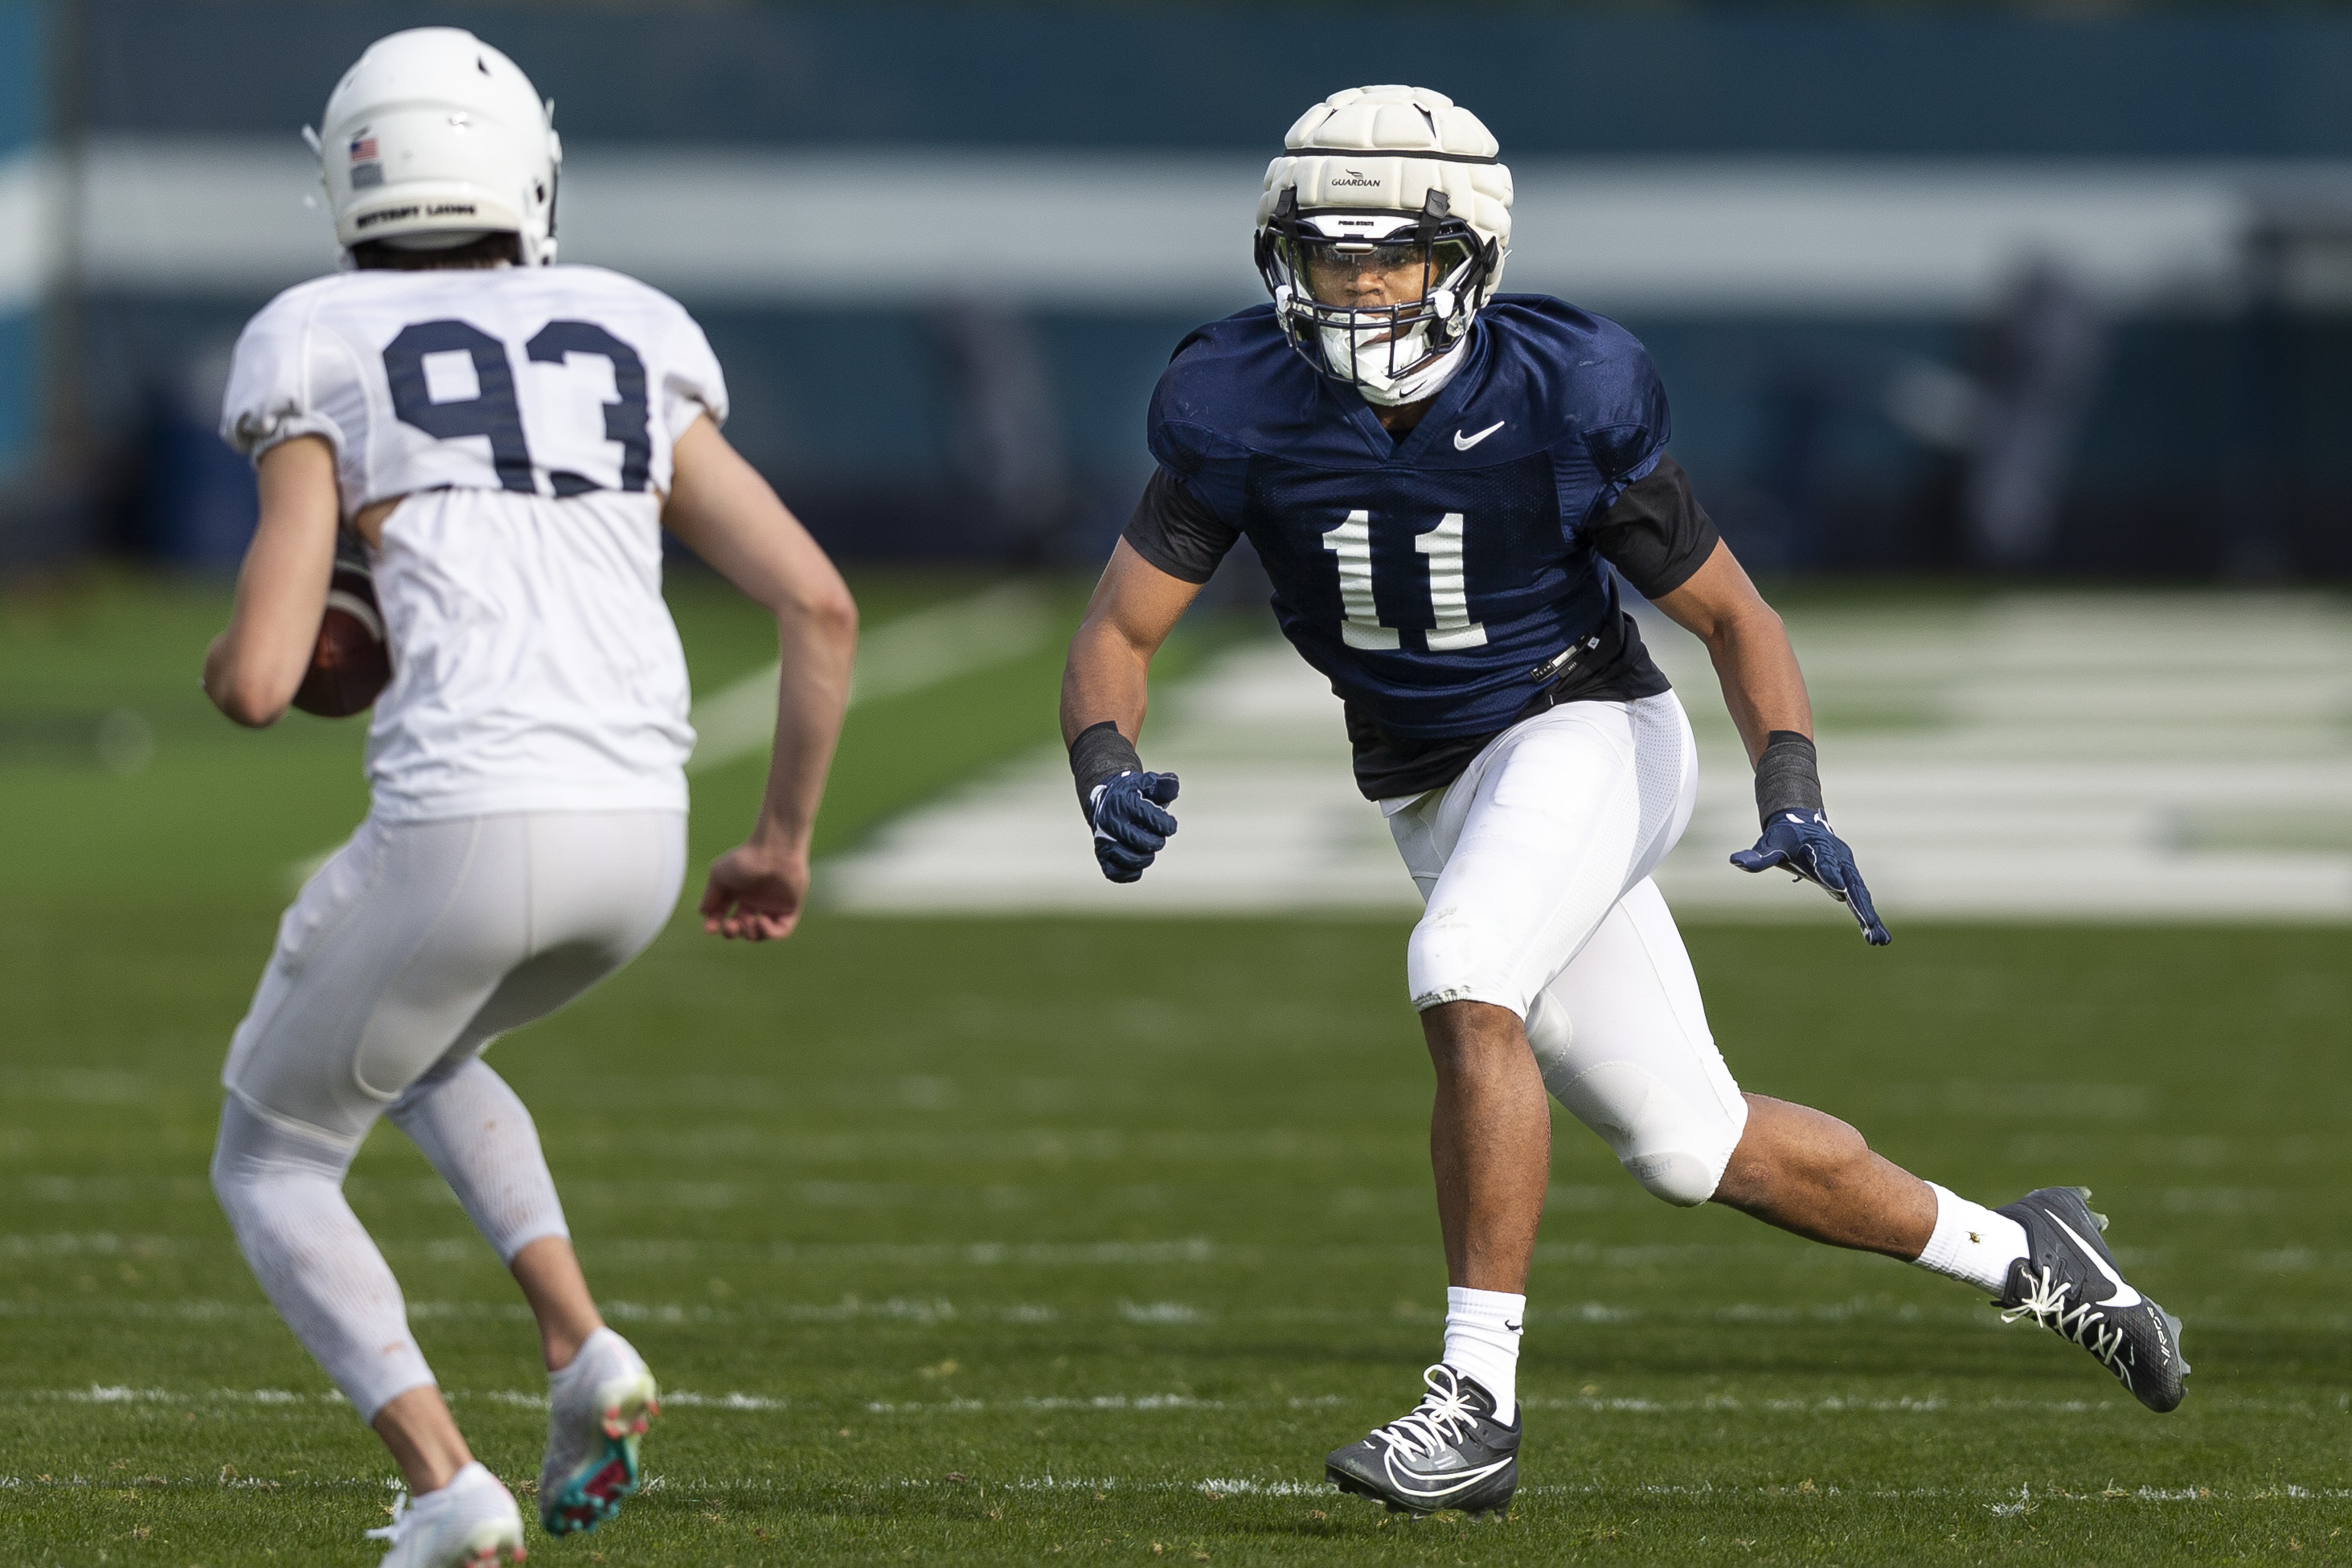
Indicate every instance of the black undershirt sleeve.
{"type": "Point", "coordinates": [1655, 534]}
{"type": "Point", "coordinates": [1176, 532]}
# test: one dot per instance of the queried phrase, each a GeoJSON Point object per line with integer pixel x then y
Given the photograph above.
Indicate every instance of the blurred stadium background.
{"type": "Point", "coordinates": [1990, 290]}
{"type": "Point", "coordinates": [2013, 346]}
{"type": "Point", "coordinates": [1998, 300]}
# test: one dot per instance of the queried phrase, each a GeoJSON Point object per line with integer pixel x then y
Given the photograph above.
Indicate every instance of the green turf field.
{"type": "Point", "coordinates": [1008, 1240]}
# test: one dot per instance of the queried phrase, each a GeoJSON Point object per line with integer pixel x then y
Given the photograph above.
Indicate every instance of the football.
{"type": "Point", "coordinates": [351, 665]}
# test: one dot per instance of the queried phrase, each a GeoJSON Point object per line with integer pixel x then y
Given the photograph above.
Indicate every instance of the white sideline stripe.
{"type": "Point", "coordinates": [994, 626]}
{"type": "Point", "coordinates": [2054, 755]}
{"type": "Point", "coordinates": [197, 216]}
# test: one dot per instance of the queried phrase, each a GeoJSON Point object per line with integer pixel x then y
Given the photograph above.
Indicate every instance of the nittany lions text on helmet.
{"type": "Point", "coordinates": [1393, 182]}
{"type": "Point", "coordinates": [434, 139]}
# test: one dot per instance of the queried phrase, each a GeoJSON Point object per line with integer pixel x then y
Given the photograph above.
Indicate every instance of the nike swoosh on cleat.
{"type": "Point", "coordinates": [1465, 443]}
{"type": "Point", "coordinates": [1454, 1480]}
{"type": "Point", "coordinates": [2125, 1295]}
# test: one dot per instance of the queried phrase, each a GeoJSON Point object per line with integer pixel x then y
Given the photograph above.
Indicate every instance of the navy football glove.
{"type": "Point", "coordinates": [1130, 825]}
{"type": "Point", "coordinates": [1802, 842]}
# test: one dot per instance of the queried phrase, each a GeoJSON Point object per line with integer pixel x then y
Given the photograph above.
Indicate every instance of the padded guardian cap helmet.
{"type": "Point", "coordinates": [1385, 179]}
{"type": "Point", "coordinates": [434, 139]}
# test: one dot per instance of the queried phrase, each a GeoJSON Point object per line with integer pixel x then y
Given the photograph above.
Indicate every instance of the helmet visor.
{"type": "Point", "coordinates": [1364, 277]}
{"type": "Point", "coordinates": [1357, 275]}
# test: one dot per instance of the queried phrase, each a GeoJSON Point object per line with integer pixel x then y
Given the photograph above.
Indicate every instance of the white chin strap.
{"type": "Point", "coordinates": [1420, 381]}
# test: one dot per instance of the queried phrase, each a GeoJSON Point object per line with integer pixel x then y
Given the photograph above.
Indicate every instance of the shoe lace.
{"type": "Point", "coordinates": [1441, 1421]}
{"type": "Point", "coordinates": [401, 1520]}
{"type": "Point", "coordinates": [2045, 1304]}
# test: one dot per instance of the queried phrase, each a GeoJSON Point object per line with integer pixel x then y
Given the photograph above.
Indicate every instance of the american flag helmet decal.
{"type": "Point", "coordinates": [440, 118]}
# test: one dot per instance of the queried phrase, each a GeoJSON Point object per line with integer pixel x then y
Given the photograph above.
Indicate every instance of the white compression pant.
{"type": "Point", "coordinates": [1535, 868]}
{"type": "Point", "coordinates": [411, 950]}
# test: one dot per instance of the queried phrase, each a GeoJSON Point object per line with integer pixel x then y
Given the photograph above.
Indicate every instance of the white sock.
{"type": "Point", "coordinates": [1971, 1243]}
{"type": "Point", "coordinates": [284, 1196]}
{"type": "Point", "coordinates": [561, 1380]}
{"type": "Point", "coordinates": [477, 1135]}
{"type": "Point", "coordinates": [1481, 1339]}
{"type": "Point", "coordinates": [465, 1476]}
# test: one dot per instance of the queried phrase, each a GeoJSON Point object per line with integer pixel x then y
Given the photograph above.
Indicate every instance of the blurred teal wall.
{"type": "Point", "coordinates": [21, 218]}
{"type": "Point", "coordinates": [2237, 81]}
{"type": "Point", "coordinates": [2211, 417]}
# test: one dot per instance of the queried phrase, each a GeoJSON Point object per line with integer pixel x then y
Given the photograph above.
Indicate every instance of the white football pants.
{"type": "Point", "coordinates": [409, 952]}
{"type": "Point", "coordinates": [1535, 868]}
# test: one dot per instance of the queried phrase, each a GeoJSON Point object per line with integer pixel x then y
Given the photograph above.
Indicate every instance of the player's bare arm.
{"type": "Point", "coordinates": [1762, 686]}
{"type": "Point", "coordinates": [253, 668]}
{"type": "Point", "coordinates": [1765, 691]}
{"type": "Point", "coordinates": [726, 514]}
{"type": "Point", "coordinates": [1105, 690]}
{"type": "Point", "coordinates": [1135, 606]}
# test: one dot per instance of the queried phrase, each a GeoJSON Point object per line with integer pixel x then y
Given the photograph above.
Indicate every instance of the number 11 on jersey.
{"type": "Point", "coordinates": [1449, 598]}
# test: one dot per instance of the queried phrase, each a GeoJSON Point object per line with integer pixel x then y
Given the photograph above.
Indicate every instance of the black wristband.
{"type": "Point", "coordinates": [1099, 755]}
{"type": "Point", "coordinates": [1787, 776]}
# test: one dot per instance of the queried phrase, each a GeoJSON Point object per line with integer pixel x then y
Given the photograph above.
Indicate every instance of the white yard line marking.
{"type": "Point", "coordinates": [1235, 1486]}
{"type": "Point", "coordinates": [103, 1393]}
{"type": "Point", "coordinates": [687, 1399]}
{"type": "Point", "coordinates": [98, 1244]}
{"type": "Point", "coordinates": [1146, 1401]}
{"type": "Point", "coordinates": [1222, 1487]}
{"type": "Point", "coordinates": [115, 1394]}
{"type": "Point", "coordinates": [2040, 756]}
{"type": "Point", "coordinates": [1194, 1251]}
{"type": "Point", "coordinates": [993, 627]}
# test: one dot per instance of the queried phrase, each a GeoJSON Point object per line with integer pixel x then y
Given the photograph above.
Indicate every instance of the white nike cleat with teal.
{"type": "Point", "coordinates": [1448, 1452]}
{"type": "Point", "coordinates": [472, 1523]}
{"type": "Point", "coordinates": [597, 1409]}
{"type": "Point", "coordinates": [2067, 1281]}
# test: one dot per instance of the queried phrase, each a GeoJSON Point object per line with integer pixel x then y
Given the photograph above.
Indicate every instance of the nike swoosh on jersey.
{"type": "Point", "coordinates": [1465, 443]}
{"type": "Point", "coordinates": [2125, 1295]}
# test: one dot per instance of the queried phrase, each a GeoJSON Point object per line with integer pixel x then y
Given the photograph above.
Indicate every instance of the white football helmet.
{"type": "Point", "coordinates": [1381, 178]}
{"type": "Point", "coordinates": [434, 139]}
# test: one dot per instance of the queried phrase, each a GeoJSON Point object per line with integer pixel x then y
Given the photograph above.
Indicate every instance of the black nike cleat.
{"type": "Point", "coordinates": [2067, 1282]}
{"type": "Point", "coordinates": [1448, 1452]}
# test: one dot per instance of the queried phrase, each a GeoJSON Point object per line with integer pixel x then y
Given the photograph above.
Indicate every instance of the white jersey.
{"type": "Point", "coordinates": [528, 414]}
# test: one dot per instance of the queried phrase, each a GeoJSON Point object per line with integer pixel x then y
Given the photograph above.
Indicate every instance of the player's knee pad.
{"type": "Point", "coordinates": [1681, 1178]}
{"type": "Point", "coordinates": [1672, 1144]}
{"type": "Point", "coordinates": [1450, 958]}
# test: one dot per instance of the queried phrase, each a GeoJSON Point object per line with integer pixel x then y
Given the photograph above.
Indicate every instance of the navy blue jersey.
{"type": "Point", "coordinates": [1445, 579]}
